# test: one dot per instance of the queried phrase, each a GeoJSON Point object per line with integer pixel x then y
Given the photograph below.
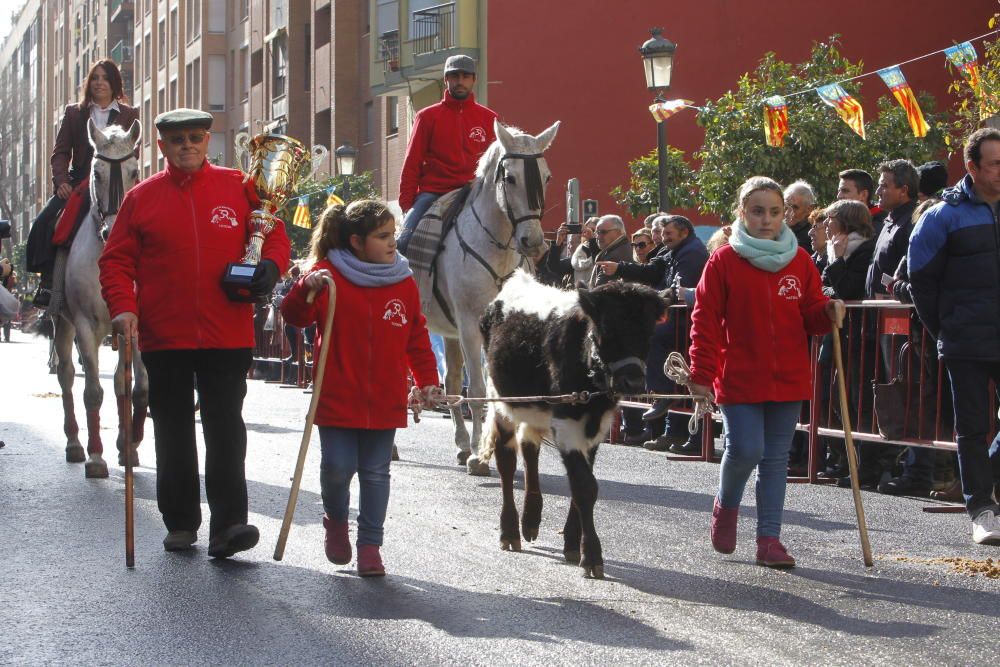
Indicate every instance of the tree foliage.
{"type": "Point", "coordinates": [971, 111]}
{"type": "Point", "coordinates": [642, 196]}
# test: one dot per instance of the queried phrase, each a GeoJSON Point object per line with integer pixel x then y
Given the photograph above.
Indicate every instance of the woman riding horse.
{"type": "Point", "coordinates": [102, 100]}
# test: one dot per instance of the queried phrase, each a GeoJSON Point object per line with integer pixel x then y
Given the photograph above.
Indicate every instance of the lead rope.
{"type": "Point", "coordinates": [677, 369]}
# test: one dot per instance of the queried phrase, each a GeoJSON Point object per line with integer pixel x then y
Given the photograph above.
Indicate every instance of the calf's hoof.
{"type": "Point", "coordinates": [510, 545]}
{"type": "Point", "coordinates": [572, 557]}
{"type": "Point", "coordinates": [463, 456]}
{"type": "Point", "coordinates": [532, 516]}
{"type": "Point", "coordinates": [593, 572]}
{"type": "Point", "coordinates": [95, 468]}
{"type": "Point", "coordinates": [478, 468]}
{"type": "Point", "coordinates": [75, 454]}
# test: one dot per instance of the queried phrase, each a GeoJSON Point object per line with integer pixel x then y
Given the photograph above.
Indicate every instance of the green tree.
{"type": "Point", "coordinates": [642, 196]}
{"type": "Point", "coordinates": [818, 145]}
{"type": "Point", "coordinates": [971, 113]}
{"type": "Point", "coordinates": [358, 186]}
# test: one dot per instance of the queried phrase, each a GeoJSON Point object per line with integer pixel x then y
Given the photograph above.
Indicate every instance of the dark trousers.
{"type": "Point", "coordinates": [221, 377]}
{"type": "Point", "coordinates": [39, 254]}
{"type": "Point", "coordinates": [660, 346]}
{"type": "Point", "coordinates": [978, 463]}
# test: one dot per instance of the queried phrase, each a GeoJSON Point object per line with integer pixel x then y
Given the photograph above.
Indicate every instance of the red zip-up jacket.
{"type": "Point", "coordinates": [446, 142]}
{"type": "Point", "coordinates": [167, 252]}
{"type": "Point", "coordinates": [750, 328]}
{"type": "Point", "coordinates": [378, 335]}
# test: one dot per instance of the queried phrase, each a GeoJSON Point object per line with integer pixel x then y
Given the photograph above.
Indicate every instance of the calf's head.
{"type": "Point", "coordinates": [621, 321]}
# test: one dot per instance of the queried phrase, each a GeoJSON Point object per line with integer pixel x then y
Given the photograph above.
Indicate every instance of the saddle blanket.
{"type": "Point", "coordinates": [76, 207]}
{"type": "Point", "coordinates": [425, 244]}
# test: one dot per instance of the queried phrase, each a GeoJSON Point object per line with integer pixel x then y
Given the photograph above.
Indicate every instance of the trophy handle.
{"type": "Point", "coordinates": [241, 142]}
{"type": "Point", "coordinates": [319, 153]}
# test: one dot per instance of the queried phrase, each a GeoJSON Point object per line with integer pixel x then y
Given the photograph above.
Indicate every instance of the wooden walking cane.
{"type": "Point", "coordinates": [125, 360]}
{"type": "Point", "coordinates": [320, 367]}
{"type": "Point", "coordinates": [866, 547]}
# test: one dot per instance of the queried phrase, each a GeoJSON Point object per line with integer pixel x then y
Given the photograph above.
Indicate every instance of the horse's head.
{"type": "Point", "coordinates": [516, 167]}
{"type": "Point", "coordinates": [622, 317]}
{"type": "Point", "coordinates": [114, 170]}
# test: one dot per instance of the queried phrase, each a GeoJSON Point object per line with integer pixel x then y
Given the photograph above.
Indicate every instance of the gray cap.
{"type": "Point", "coordinates": [180, 118]}
{"type": "Point", "coordinates": [460, 64]}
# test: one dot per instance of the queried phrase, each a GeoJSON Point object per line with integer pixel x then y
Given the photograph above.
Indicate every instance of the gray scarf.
{"type": "Point", "coordinates": [367, 274]}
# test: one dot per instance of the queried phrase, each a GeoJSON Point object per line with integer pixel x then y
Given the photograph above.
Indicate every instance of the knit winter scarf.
{"type": "Point", "coordinates": [854, 240]}
{"type": "Point", "coordinates": [366, 274]}
{"type": "Point", "coordinates": [767, 255]}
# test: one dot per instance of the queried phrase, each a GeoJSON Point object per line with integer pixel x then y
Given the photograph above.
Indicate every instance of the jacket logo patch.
{"type": "Point", "coordinates": [395, 313]}
{"type": "Point", "coordinates": [478, 134]}
{"type": "Point", "coordinates": [789, 288]}
{"type": "Point", "coordinates": [225, 217]}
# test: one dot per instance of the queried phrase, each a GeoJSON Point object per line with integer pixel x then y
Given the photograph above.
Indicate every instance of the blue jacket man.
{"type": "Point", "coordinates": [954, 263]}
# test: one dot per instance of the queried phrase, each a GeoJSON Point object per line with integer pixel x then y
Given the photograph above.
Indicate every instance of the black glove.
{"type": "Point", "coordinates": [264, 278]}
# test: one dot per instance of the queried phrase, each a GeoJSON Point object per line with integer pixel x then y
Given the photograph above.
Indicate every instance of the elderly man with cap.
{"type": "Point", "coordinates": [446, 142]}
{"type": "Point", "coordinates": [161, 275]}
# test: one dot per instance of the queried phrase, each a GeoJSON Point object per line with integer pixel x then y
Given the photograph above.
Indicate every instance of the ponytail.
{"type": "Point", "coordinates": [339, 223]}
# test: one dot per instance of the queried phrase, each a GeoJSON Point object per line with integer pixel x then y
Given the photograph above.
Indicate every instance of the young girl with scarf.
{"type": "Point", "coordinates": [758, 300]}
{"type": "Point", "coordinates": [378, 337]}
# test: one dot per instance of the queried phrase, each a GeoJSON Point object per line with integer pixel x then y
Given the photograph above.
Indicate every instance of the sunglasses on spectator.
{"type": "Point", "coordinates": [180, 139]}
{"type": "Point", "coordinates": [640, 245]}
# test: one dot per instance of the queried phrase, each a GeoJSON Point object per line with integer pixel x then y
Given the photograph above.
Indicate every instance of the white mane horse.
{"type": "Point", "coordinates": [84, 315]}
{"type": "Point", "coordinates": [498, 226]}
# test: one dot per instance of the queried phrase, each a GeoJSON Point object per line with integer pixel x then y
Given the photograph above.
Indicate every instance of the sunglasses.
{"type": "Point", "coordinates": [640, 245]}
{"type": "Point", "coordinates": [602, 232]}
{"type": "Point", "coordinates": [180, 139]}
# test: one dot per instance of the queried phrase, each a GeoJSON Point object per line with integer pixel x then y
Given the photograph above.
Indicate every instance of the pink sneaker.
{"type": "Point", "coordinates": [772, 553]}
{"type": "Point", "coordinates": [724, 528]}
{"type": "Point", "coordinates": [370, 561]}
{"type": "Point", "coordinates": [338, 542]}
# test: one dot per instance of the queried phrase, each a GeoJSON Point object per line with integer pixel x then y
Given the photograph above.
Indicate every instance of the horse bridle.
{"type": "Point", "coordinates": [116, 186]}
{"type": "Point", "coordinates": [602, 374]}
{"type": "Point", "coordinates": [499, 176]}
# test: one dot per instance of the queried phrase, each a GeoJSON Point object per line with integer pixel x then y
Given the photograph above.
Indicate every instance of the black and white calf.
{"type": "Point", "coordinates": [542, 341]}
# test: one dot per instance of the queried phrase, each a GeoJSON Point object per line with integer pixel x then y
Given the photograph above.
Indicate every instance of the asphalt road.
{"type": "Point", "coordinates": [452, 597]}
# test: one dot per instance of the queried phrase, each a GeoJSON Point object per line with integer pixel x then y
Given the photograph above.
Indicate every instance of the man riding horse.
{"type": "Point", "coordinates": [446, 142]}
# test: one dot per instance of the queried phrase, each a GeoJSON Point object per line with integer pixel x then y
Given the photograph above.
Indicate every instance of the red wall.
{"type": "Point", "coordinates": [578, 62]}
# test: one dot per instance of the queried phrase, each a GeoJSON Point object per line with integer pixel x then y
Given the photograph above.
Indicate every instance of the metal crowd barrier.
{"type": "Point", "coordinates": [271, 347]}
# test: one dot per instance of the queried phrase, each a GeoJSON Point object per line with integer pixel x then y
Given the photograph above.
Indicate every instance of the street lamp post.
{"type": "Point", "coordinates": [658, 62]}
{"type": "Point", "coordinates": [346, 156]}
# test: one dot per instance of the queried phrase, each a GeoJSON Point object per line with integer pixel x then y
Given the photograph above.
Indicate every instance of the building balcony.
{"type": "Point", "coordinates": [121, 52]}
{"type": "Point", "coordinates": [433, 29]}
{"type": "Point", "coordinates": [121, 11]}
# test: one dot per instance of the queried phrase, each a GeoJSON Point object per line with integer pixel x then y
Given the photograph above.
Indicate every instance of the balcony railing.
{"type": "Point", "coordinates": [434, 28]}
{"type": "Point", "coordinates": [121, 52]}
{"type": "Point", "coordinates": [125, 7]}
{"type": "Point", "coordinates": [389, 51]}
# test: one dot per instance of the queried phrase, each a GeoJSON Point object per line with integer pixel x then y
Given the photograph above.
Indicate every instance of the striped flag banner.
{"type": "Point", "coordinates": [848, 108]}
{"type": "Point", "coordinates": [775, 120]}
{"type": "Point", "coordinates": [332, 199]}
{"type": "Point", "coordinates": [302, 217]}
{"type": "Point", "coordinates": [963, 57]}
{"type": "Point", "coordinates": [894, 79]}
{"type": "Point", "coordinates": [664, 110]}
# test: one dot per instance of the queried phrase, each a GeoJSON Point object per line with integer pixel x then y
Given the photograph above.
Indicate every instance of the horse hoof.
{"type": "Point", "coordinates": [477, 468]}
{"type": "Point", "coordinates": [595, 572]}
{"type": "Point", "coordinates": [134, 456]}
{"type": "Point", "coordinates": [97, 469]}
{"type": "Point", "coordinates": [75, 454]}
{"type": "Point", "coordinates": [463, 457]}
{"type": "Point", "coordinates": [510, 545]}
{"type": "Point", "coordinates": [572, 557]}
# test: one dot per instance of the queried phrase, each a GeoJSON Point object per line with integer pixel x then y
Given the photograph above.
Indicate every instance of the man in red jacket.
{"type": "Point", "coordinates": [446, 142]}
{"type": "Point", "coordinates": [161, 274]}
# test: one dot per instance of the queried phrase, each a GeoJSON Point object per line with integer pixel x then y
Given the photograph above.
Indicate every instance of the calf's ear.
{"type": "Point", "coordinates": [659, 309]}
{"type": "Point", "coordinates": [588, 302]}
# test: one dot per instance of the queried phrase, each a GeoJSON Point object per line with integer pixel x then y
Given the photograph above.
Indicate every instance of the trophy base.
{"type": "Point", "coordinates": [236, 283]}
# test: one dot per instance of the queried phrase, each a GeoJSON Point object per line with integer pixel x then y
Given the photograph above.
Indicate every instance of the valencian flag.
{"type": "Point", "coordinates": [963, 56]}
{"type": "Point", "coordinates": [848, 108]}
{"type": "Point", "coordinates": [664, 110]}
{"type": "Point", "coordinates": [302, 217]}
{"type": "Point", "coordinates": [893, 77]}
{"type": "Point", "coordinates": [332, 199]}
{"type": "Point", "coordinates": [775, 120]}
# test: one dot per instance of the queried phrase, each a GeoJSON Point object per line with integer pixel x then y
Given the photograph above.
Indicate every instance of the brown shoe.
{"type": "Point", "coordinates": [950, 494]}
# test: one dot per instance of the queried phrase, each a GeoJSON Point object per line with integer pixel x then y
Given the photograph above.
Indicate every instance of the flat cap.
{"type": "Point", "coordinates": [460, 64]}
{"type": "Point", "coordinates": [179, 118]}
{"type": "Point", "coordinates": [933, 178]}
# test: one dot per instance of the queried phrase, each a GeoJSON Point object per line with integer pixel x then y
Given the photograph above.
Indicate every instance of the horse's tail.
{"type": "Point", "coordinates": [42, 326]}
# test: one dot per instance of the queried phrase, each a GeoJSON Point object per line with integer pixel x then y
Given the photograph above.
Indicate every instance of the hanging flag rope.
{"type": "Point", "coordinates": [848, 108]}
{"type": "Point", "coordinates": [894, 79]}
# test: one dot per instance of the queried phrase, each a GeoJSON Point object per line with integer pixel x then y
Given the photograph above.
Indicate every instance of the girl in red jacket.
{"type": "Point", "coordinates": [379, 335]}
{"type": "Point", "coordinates": [759, 299]}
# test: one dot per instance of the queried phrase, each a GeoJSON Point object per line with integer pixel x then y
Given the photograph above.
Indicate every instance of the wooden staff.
{"type": "Point", "coordinates": [320, 367]}
{"type": "Point", "coordinates": [125, 436]}
{"type": "Point", "coordinates": [866, 547]}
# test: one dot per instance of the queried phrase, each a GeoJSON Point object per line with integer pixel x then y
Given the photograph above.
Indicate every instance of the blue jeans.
{"type": "Point", "coordinates": [758, 435]}
{"type": "Point", "coordinates": [978, 462]}
{"type": "Point", "coordinates": [368, 453]}
{"type": "Point", "coordinates": [420, 206]}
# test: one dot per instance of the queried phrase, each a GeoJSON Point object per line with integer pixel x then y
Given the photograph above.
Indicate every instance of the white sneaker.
{"type": "Point", "coordinates": [986, 528]}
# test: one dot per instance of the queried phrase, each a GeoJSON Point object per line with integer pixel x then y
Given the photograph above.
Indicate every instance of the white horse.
{"type": "Point", "coordinates": [84, 315]}
{"type": "Point", "coordinates": [499, 225]}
